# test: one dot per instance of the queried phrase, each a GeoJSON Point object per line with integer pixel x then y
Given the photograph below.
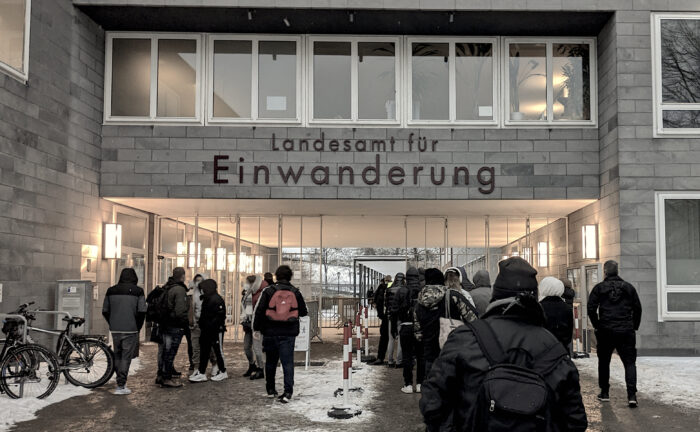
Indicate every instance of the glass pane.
{"type": "Point", "coordinates": [571, 82]}
{"type": "Point", "coordinates": [277, 79]}
{"type": "Point", "coordinates": [430, 81]}
{"type": "Point", "coordinates": [528, 81]}
{"type": "Point", "coordinates": [376, 71]}
{"type": "Point", "coordinates": [682, 241]}
{"type": "Point", "coordinates": [177, 77]}
{"type": "Point", "coordinates": [474, 69]}
{"type": "Point", "coordinates": [168, 236]}
{"type": "Point", "coordinates": [683, 302]}
{"type": "Point", "coordinates": [682, 119]}
{"type": "Point", "coordinates": [680, 54]}
{"type": "Point", "coordinates": [232, 78]}
{"type": "Point", "coordinates": [133, 231]}
{"type": "Point", "coordinates": [12, 33]}
{"type": "Point", "coordinates": [131, 77]}
{"type": "Point", "coordinates": [332, 80]}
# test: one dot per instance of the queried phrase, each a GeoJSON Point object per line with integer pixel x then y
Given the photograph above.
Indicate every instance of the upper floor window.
{"type": "Point", "coordinates": [14, 37]}
{"type": "Point", "coordinates": [676, 48]}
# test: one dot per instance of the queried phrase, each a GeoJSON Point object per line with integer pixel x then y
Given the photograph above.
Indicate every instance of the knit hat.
{"type": "Point", "coordinates": [515, 276]}
{"type": "Point", "coordinates": [551, 287]}
{"type": "Point", "coordinates": [434, 276]}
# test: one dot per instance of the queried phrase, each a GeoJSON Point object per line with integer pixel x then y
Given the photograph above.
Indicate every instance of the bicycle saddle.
{"type": "Point", "coordinates": [76, 321]}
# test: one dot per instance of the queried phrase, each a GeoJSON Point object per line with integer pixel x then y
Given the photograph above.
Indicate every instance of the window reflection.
{"type": "Point", "coordinates": [332, 85]}
{"type": "Point", "coordinates": [232, 78]}
{"type": "Point", "coordinates": [12, 23]}
{"type": "Point", "coordinates": [474, 81]}
{"type": "Point", "coordinates": [680, 60]}
{"type": "Point", "coordinates": [177, 77]}
{"type": "Point", "coordinates": [277, 79]}
{"type": "Point", "coordinates": [376, 80]}
{"type": "Point", "coordinates": [571, 82]}
{"type": "Point", "coordinates": [430, 81]}
{"type": "Point", "coordinates": [131, 77]}
{"type": "Point", "coordinates": [528, 81]}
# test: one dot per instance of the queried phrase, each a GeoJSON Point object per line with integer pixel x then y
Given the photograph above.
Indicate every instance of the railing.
{"type": "Point", "coordinates": [337, 310]}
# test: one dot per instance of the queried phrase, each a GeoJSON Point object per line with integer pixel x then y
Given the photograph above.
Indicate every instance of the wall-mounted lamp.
{"type": "Point", "coordinates": [527, 254]}
{"type": "Point", "coordinates": [112, 247]}
{"type": "Point", "coordinates": [351, 17]}
{"type": "Point", "coordinates": [452, 17]}
{"type": "Point", "coordinates": [220, 259]}
{"type": "Point", "coordinates": [589, 245]}
{"type": "Point", "coordinates": [250, 15]}
{"type": "Point", "coordinates": [258, 264]}
{"type": "Point", "coordinates": [232, 261]}
{"type": "Point", "coordinates": [542, 254]}
{"type": "Point", "coordinates": [208, 258]}
{"type": "Point", "coordinates": [286, 22]}
{"type": "Point", "coordinates": [193, 259]}
{"type": "Point", "coordinates": [181, 253]}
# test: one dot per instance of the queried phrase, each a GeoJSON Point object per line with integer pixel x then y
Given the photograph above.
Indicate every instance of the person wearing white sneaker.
{"type": "Point", "coordinates": [122, 391]}
{"type": "Point", "coordinates": [198, 376]}
{"type": "Point", "coordinates": [220, 376]}
{"type": "Point", "coordinates": [212, 324]}
{"type": "Point", "coordinates": [407, 389]}
{"type": "Point", "coordinates": [417, 388]}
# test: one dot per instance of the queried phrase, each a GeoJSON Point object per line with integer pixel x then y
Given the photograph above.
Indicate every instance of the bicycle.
{"type": "Point", "coordinates": [26, 369]}
{"type": "Point", "coordinates": [85, 360]}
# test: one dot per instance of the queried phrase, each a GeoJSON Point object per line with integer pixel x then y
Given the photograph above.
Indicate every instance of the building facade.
{"type": "Point", "coordinates": [230, 136]}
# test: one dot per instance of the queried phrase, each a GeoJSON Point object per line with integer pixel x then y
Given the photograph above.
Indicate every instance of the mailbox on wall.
{"type": "Point", "coordinates": [74, 297]}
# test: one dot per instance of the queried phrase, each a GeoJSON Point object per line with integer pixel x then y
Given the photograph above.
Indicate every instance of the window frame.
{"type": "Point", "coordinates": [549, 42]}
{"type": "Point", "coordinates": [354, 80]}
{"type": "Point", "coordinates": [255, 40]}
{"type": "Point", "coordinates": [452, 81]}
{"type": "Point", "coordinates": [657, 80]}
{"type": "Point", "coordinates": [22, 75]}
{"type": "Point", "coordinates": [663, 288]}
{"type": "Point", "coordinates": [153, 118]}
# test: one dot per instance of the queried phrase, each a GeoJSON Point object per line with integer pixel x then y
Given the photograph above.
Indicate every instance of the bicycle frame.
{"type": "Point", "coordinates": [63, 335]}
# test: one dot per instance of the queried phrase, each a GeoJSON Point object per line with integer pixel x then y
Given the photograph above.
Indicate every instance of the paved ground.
{"type": "Point", "coordinates": [239, 405]}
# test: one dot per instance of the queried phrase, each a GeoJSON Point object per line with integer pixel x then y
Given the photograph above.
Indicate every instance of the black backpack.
{"type": "Point", "coordinates": [512, 398]}
{"type": "Point", "coordinates": [157, 310]}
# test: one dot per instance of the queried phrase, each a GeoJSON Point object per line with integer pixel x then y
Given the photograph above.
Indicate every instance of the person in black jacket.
{"type": "Point", "coordinates": [278, 321]}
{"type": "Point", "coordinates": [394, 345]}
{"type": "Point", "coordinates": [124, 308]}
{"type": "Point", "coordinates": [560, 316]}
{"type": "Point", "coordinates": [381, 314]}
{"type": "Point", "coordinates": [569, 293]}
{"type": "Point", "coordinates": [212, 323]}
{"type": "Point", "coordinates": [517, 319]}
{"type": "Point", "coordinates": [174, 324]}
{"type": "Point", "coordinates": [615, 312]}
{"type": "Point", "coordinates": [402, 315]}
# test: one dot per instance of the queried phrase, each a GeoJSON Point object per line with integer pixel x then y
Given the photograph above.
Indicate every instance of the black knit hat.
{"type": "Point", "coordinates": [434, 276]}
{"type": "Point", "coordinates": [515, 276]}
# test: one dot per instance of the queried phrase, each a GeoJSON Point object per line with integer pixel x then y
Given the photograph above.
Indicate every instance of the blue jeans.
{"type": "Point", "coordinates": [279, 349]}
{"type": "Point", "coordinates": [171, 343]}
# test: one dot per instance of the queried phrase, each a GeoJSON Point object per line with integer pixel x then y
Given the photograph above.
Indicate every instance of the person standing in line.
{"type": "Point", "coordinates": [255, 363]}
{"type": "Point", "coordinates": [453, 280]}
{"type": "Point", "coordinates": [277, 318]}
{"type": "Point", "coordinates": [212, 323]}
{"type": "Point", "coordinates": [193, 302]}
{"type": "Point", "coordinates": [560, 316]}
{"type": "Point", "coordinates": [152, 316]}
{"type": "Point", "coordinates": [402, 314]}
{"type": "Point", "coordinates": [616, 313]}
{"type": "Point", "coordinates": [394, 345]}
{"type": "Point", "coordinates": [174, 324]}
{"type": "Point", "coordinates": [268, 278]}
{"type": "Point", "coordinates": [569, 293]}
{"type": "Point", "coordinates": [257, 336]}
{"type": "Point", "coordinates": [481, 294]}
{"type": "Point", "coordinates": [124, 308]}
{"type": "Point", "coordinates": [379, 295]}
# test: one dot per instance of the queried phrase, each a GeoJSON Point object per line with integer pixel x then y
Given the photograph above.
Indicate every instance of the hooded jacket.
{"type": "Point", "coordinates": [379, 295]}
{"type": "Point", "coordinates": [481, 294]}
{"type": "Point", "coordinates": [124, 306]}
{"type": "Point", "coordinates": [455, 378]}
{"type": "Point", "coordinates": [405, 299]}
{"type": "Point", "coordinates": [560, 316]}
{"type": "Point", "coordinates": [247, 303]}
{"type": "Point", "coordinates": [466, 283]}
{"type": "Point", "coordinates": [269, 327]}
{"type": "Point", "coordinates": [213, 318]}
{"type": "Point", "coordinates": [390, 293]}
{"type": "Point", "coordinates": [178, 308]}
{"type": "Point", "coordinates": [614, 305]}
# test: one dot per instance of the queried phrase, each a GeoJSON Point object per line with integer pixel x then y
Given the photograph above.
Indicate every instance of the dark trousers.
{"type": "Point", "coordinates": [190, 354]}
{"type": "Point", "coordinates": [279, 349]}
{"type": "Point", "coordinates": [125, 348]}
{"type": "Point", "coordinates": [625, 345]}
{"type": "Point", "coordinates": [411, 348]}
{"type": "Point", "coordinates": [208, 342]}
{"type": "Point", "coordinates": [383, 339]}
{"type": "Point", "coordinates": [171, 343]}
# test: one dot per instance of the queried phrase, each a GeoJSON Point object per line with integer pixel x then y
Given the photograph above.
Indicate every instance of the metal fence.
{"type": "Point", "coordinates": [337, 310]}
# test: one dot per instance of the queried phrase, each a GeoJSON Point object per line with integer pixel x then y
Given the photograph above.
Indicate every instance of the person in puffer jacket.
{"type": "Point", "coordinates": [393, 346]}
{"type": "Point", "coordinates": [481, 294]}
{"type": "Point", "coordinates": [560, 316]}
{"type": "Point", "coordinates": [402, 314]}
{"type": "Point", "coordinates": [431, 307]}
{"type": "Point", "coordinates": [212, 321]}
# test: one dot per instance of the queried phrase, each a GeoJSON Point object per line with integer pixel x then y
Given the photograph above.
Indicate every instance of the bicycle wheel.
{"type": "Point", "coordinates": [29, 371]}
{"type": "Point", "coordinates": [91, 369]}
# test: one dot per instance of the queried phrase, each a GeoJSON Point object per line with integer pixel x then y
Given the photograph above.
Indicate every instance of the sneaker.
{"type": "Point", "coordinates": [417, 388]}
{"type": "Point", "coordinates": [377, 362]}
{"type": "Point", "coordinates": [632, 401]}
{"type": "Point", "coordinates": [258, 374]}
{"type": "Point", "coordinates": [249, 372]}
{"type": "Point", "coordinates": [198, 377]}
{"type": "Point", "coordinates": [220, 376]}
{"type": "Point", "coordinates": [171, 383]}
{"type": "Point", "coordinates": [176, 373]}
{"type": "Point", "coordinates": [271, 393]}
{"type": "Point", "coordinates": [285, 398]}
{"type": "Point", "coordinates": [122, 391]}
{"type": "Point", "coordinates": [604, 396]}
{"type": "Point", "coordinates": [214, 370]}
{"type": "Point", "coordinates": [159, 380]}
{"type": "Point", "coordinates": [407, 389]}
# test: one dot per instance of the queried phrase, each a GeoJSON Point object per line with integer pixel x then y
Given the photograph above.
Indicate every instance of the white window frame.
{"type": "Point", "coordinates": [550, 41]}
{"type": "Point", "coordinates": [659, 105]}
{"type": "Point", "coordinates": [354, 80]}
{"type": "Point", "coordinates": [663, 288]}
{"type": "Point", "coordinates": [22, 75]}
{"type": "Point", "coordinates": [452, 84]}
{"type": "Point", "coordinates": [152, 118]}
{"type": "Point", "coordinates": [255, 40]}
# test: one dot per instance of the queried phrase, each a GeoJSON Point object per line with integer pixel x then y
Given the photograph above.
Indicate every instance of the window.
{"type": "Point", "coordinates": [678, 255]}
{"type": "Point", "coordinates": [15, 16]}
{"type": "Point", "coordinates": [676, 56]}
{"type": "Point", "coordinates": [354, 80]}
{"type": "Point", "coordinates": [549, 81]}
{"type": "Point", "coordinates": [452, 81]}
{"type": "Point", "coordinates": [254, 78]}
{"type": "Point", "coordinates": [153, 77]}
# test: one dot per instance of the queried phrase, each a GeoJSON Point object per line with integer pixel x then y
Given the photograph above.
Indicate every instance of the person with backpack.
{"type": "Point", "coordinates": [173, 318]}
{"type": "Point", "coordinates": [560, 316]}
{"type": "Point", "coordinates": [616, 313]}
{"type": "Point", "coordinates": [254, 287]}
{"type": "Point", "coordinates": [124, 308]}
{"type": "Point", "coordinates": [277, 317]}
{"type": "Point", "coordinates": [505, 372]}
{"type": "Point", "coordinates": [402, 315]}
{"type": "Point", "coordinates": [212, 323]}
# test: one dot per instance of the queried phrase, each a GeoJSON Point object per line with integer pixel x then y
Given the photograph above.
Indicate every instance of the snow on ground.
{"type": "Point", "coordinates": [670, 380]}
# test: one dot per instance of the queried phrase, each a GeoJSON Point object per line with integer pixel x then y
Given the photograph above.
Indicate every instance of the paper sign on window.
{"type": "Point", "coordinates": [485, 111]}
{"type": "Point", "coordinates": [277, 103]}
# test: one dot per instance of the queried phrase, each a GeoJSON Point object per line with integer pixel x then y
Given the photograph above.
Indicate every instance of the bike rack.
{"type": "Point", "coordinates": [24, 327]}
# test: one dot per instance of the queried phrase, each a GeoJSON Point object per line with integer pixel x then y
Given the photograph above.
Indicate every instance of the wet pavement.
{"type": "Point", "coordinates": [238, 404]}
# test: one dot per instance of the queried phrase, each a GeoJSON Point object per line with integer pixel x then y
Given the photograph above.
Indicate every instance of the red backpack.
{"type": "Point", "coordinates": [283, 306]}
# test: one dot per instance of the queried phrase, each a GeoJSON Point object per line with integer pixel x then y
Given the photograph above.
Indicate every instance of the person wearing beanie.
{"type": "Point", "coordinates": [615, 313]}
{"type": "Point", "coordinates": [481, 294]}
{"type": "Point", "coordinates": [569, 293]}
{"type": "Point", "coordinates": [212, 323]}
{"type": "Point", "coordinates": [402, 315]}
{"type": "Point", "coordinates": [560, 316]}
{"type": "Point", "coordinates": [452, 387]}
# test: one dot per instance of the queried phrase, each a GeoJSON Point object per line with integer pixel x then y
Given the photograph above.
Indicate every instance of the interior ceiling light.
{"type": "Point", "coordinates": [286, 22]}
{"type": "Point", "coordinates": [351, 17]}
{"type": "Point", "coordinates": [452, 17]}
{"type": "Point", "coordinates": [250, 15]}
